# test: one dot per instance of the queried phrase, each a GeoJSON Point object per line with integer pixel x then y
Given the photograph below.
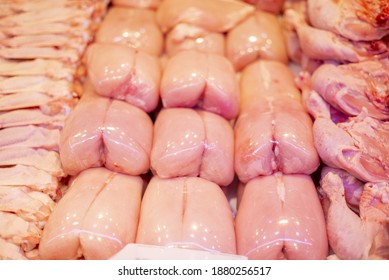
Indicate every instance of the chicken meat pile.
{"type": "Point", "coordinates": [244, 128]}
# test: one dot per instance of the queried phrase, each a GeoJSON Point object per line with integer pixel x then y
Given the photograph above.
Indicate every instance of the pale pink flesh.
{"type": "Point", "coordinates": [112, 220]}
{"type": "Point", "coordinates": [272, 6]}
{"type": "Point", "coordinates": [198, 215]}
{"type": "Point", "coordinates": [135, 28]}
{"type": "Point", "coordinates": [115, 134]}
{"type": "Point", "coordinates": [65, 55]}
{"type": "Point", "coordinates": [178, 146]}
{"type": "Point", "coordinates": [190, 37]}
{"type": "Point", "coordinates": [23, 100]}
{"type": "Point", "coordinates": [259, 36]}
{"type": "Point", "coordinates": [280, 217]}
{"type": "Point", "coordinates": [273, 132]}
{"type": "Point", "coordinates": [218, 157]}
{"type": "Point", "coordinates": [208, 81]}
{"type": "Point", "coordinates": [214, 16]}
{"type": "Point", "coordinates": [144, 4]}
{"type": "Point", "coordinates": [122, 73]}
{"type": "Point", "coordinates": [10, 251]}
{"type": "Point", "coordinates": [48, 161]}
{"type": "Point", "coordinates": [89, 220]}
{"type": "Point", "coordinates": [36, 179]}
{"type": "Point", "coordinates": [29, 136]}
{"type": "Point", "coordinates": [352, 87]}
{"type": "Point", "coordinates": [346, 18]}
{"type": "Point", "coordinates": [30, 205]}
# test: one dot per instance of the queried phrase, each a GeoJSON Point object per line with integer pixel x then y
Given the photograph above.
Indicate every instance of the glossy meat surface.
{"type": "Point", "coordinates": [280, 217]}
{"type": "Point", "coordinates": [198, 216]}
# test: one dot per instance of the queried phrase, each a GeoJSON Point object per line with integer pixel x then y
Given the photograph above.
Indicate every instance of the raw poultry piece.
{"type": "Point", "coordinates": [10, 251]}
{"type": "Point", "coordinates": [29, 205]}
{"type": "Point", "coordinates": [190, 37]}
{"type": "Point", "coordinates": [352, 186]}
{"type": "Point", "coordinates": [207, 81]}
{"type": "Point", "coordinates": [18, 231]}
{"type": "Point", "coordinates": [272, 6]}
{"type": "Point", "coordinates": [123, 73]}
{"type": "Point", "coordinates": [29, 136]}
{"type": "Point", "coordinates": [198, 217]}
{"type": "Point", "coordinates": [193, 143]}
{"type": "Point", "coordinates": [214, 16]}
{"type": "Point", "coordinates": [104, 132]}
{"type": "Point", "coordinates": [135, 28]}
{"type": "Point", "coordinates": [95, 219]}
{"type": "Point", "coordinates": [143, 4]}
{"type": "Point", "coordinates": [39, 158]}
{"type": "Point", "coordinates": [66, 55]}
{"type": "Point", "coordinates": [280, 217]}
{"type": "Point", "coordinates": [29, 176]}
{"type": "Point", "coordinates": [258, 36]}
{"type": "Point", "coordinates": [273, 131]}
{"type": "Point", "coordinates": [350, 88]}
{"type": "Point", "coordinates": [351, 236]}
{"type": "Point", "coordinates": [324, 45]}
{"type": "Point", "coordinates": [361, 20]}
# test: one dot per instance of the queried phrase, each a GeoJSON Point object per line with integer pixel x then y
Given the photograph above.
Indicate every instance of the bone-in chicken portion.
{"type": "Point", "coordinates": [352, 87]}
{"type": "Point", "coordinates": [273, 132]}
{"type": "Point", "coordinates": [103, 132]}
{"type": "Point", "coordinates": [214, 16]}
{"type": "Point", "coordinates": [207, 81]}
{"type": "Point", "coordinates": [123, 73]}
{"type": "Point", "coordinates": [193, 143]}
{"type": "Point", "coordinates": [258, 36]}
{"type": "Point", "coordinates": [136, 28]}
{"type": "Point", "coordinates": [359, 20]}
{"type": "Point", "coordinates": [95, 219]}
{"type": "Point", "coordinates": [280, 217]}
{"type": "Point", "coordinates": [198, 215]}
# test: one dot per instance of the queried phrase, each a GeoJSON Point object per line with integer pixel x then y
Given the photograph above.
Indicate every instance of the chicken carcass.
{"type": "Point", "coordinates": [258, 36]}
{"type": "Point", "coordinates": [193, 143]}
{"type": "Point", "coordinates": [207, 81]}
{"type": "Point", "coordinates": [273, 132]}
{"type": "Point", "coordinates": [361, 20]}
{"type": "Point", "coordinates": [353, 87]}
{"type": "Point", "coordinates": [214, 16]}
{"type": "Point", "coordinates": [135, 28]}
{"type": "Point", "coordinates": [96, 218]}
{"type": "Point", "coordinates": [198, 217]}
{"type": "Point", "coordinates": [104, 132]}
{"type": "Point", "coordinates": [351, 236]}
{"type": "Point", "coordinates": [123, 73]}
{"type": "Point", "coordinates": [280, 217]}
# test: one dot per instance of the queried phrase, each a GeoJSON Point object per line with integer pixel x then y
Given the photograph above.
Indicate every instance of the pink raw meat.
{"type": "Point", "coordinates": [95, 219]}
{"type": "Point", "coordinates": [198, 216]}
{"type": "Point", "coordinates": [104, 132]}
{"type": "Point", "coordinates": [273, 132]}
{"type": "Point", "coordinates": [123, 73]}
{"type": "Point", "coordinates": [273, 6]}
{"type": "Point", "coordinates": [280, 217]}
{"type": "Point", "coordinates": [207, 80]}
{"type": "Point", "coordinates": [214, 16]}
{"type": "Point", "coordinates": [189, 37]}
{"type": "Point", "coordinates": [136, 28]}
{"type": "Point", "coordinates": [193, 143]}
{"type": "Point", "coordinates": [259, 36]}
{"type": "Point", "coordinates": [352, 87]}
{"type": "Point", "coordinates": [143, 4]}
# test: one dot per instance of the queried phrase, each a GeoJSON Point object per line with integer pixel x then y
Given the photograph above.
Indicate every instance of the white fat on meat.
{"type": "Point", "coordinates": [120, 72]}
{"type": "Point", "coordinates": [273, 131]}
{"type": "Point", "coordinates": [135, 28]}
{"type": "Point", "coordinates": [359, 20]}
{"type": "Point", "coordinates": [95, 219]}
{"type": "Point", "coordinates": [193, 143]}
{"type": "Point", "coordinates": [280, 217]}
{"type": "Point", "coordinates": [258, 36]}
{"type": "Point", "coordinates": [104, 132]}
{"type": "Point", "coordinates": [214, 16]}
{"type": "Point", "coordinates": [207, 81]}
{"type": "Point", "coordinates": [198, 217]}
